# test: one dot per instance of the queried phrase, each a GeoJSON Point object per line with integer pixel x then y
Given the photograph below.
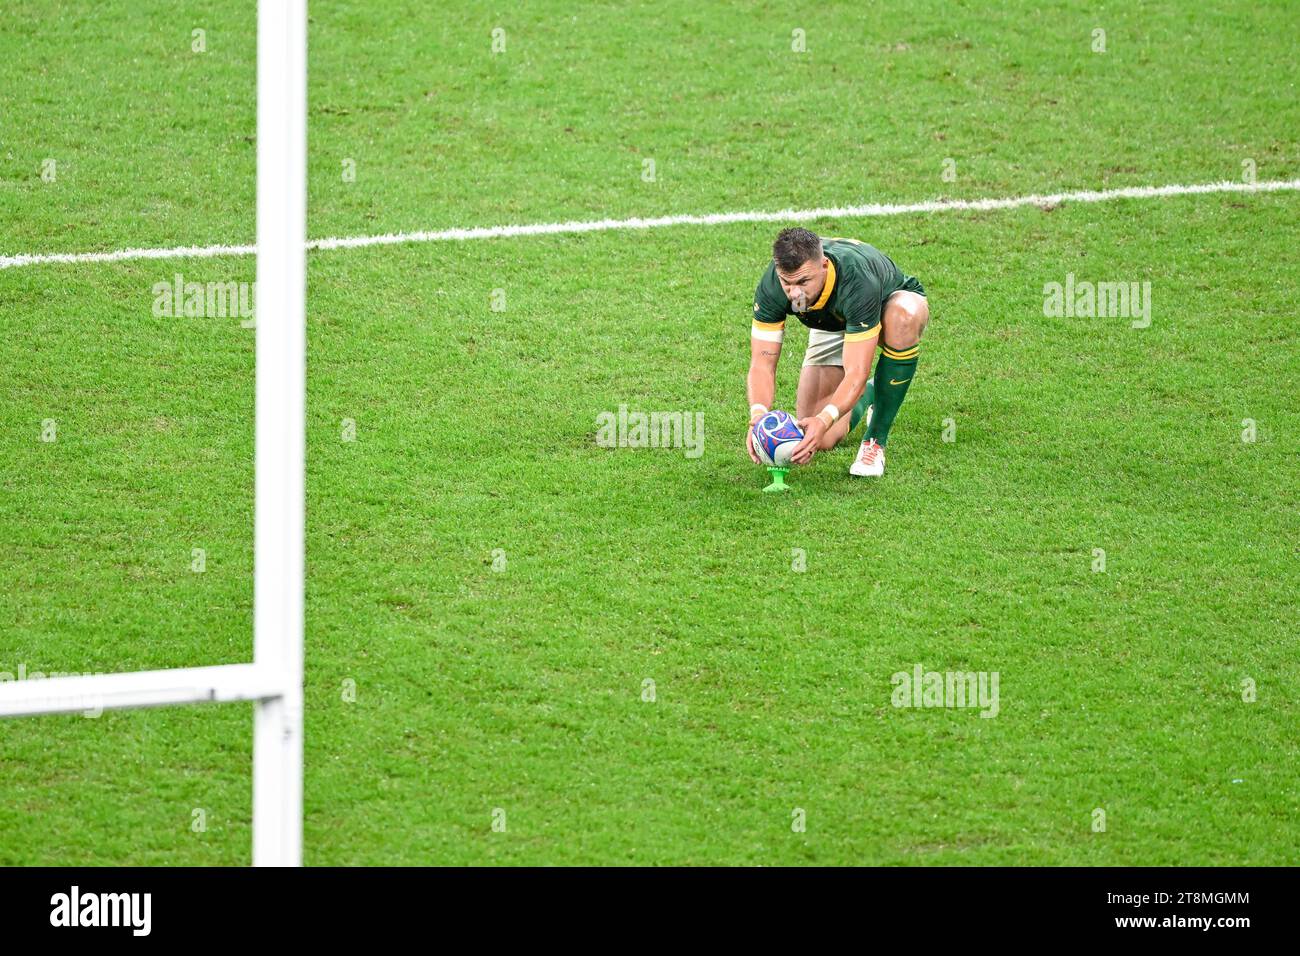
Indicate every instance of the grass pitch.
{"type": "Point", "coordinates": [498, 589]}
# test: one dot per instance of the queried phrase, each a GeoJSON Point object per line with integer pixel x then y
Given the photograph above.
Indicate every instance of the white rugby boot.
{"type": "Point", "coordinates": [870, 462]}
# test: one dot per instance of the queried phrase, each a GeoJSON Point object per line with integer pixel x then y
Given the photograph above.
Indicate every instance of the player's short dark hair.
{"type": "Point", "coordinates": [794, 247]}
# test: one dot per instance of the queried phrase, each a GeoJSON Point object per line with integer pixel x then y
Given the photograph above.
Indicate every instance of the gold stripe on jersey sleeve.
{"type": "Point", "coordinates": [861, 336]}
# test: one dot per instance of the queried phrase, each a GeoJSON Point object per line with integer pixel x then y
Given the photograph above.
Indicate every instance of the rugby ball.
{"type": "Point", "coordinates": [775, 436]}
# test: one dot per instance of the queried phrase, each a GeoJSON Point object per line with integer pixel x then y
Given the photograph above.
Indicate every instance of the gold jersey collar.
{"type": "Point", "coordinates": [826, 289]}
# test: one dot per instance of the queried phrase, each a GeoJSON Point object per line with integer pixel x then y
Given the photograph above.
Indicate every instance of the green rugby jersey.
{"type": "Point", "coordinates": [859, 280]}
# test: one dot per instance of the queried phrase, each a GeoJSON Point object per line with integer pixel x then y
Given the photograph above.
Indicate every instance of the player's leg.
{"type": "Point", "coordinates": [823, 370]}
{"type": "Point", "coordinates": [903, 319]}
{"type": "Point", "coordinates": [817, 383]}
{"type": "Point", "coordinates": [862, 409]}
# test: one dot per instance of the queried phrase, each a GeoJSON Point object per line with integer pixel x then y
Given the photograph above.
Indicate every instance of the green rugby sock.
{"type": "Point", "coordinates": [860, 409]}
{"type": "Point", "coordinates": [894, 373]}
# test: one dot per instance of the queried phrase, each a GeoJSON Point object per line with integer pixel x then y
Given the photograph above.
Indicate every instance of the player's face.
{"type": "Point", "coordinates": [803, 286]}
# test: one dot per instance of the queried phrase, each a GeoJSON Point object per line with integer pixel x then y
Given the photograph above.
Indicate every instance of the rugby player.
{"type": "Point", "coordinates": [852, 298]}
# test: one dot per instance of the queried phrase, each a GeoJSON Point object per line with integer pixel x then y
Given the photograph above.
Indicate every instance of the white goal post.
{"type": "Point", "coordinates": [274, 679]}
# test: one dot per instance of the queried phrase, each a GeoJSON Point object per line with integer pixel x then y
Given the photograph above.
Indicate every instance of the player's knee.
{"type": "Point", "coordinates": [904, 324]}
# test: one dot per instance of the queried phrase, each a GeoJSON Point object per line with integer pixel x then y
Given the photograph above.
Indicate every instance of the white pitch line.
{"type": "Point", "coordinates": [712, 219]}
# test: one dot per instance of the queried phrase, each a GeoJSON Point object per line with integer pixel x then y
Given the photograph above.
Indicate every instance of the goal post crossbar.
{"type": "Point", "coordinates": [91, 693]}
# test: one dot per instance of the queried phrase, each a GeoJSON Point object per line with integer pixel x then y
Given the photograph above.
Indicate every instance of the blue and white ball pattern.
{"type": "Point", "coordinates": [775, 436]}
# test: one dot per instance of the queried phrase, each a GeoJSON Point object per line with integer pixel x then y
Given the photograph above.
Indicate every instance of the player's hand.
{"type": "Point", "coordinates": [813, 429]}
{"type": "Point", "coordinates": [749, 445]}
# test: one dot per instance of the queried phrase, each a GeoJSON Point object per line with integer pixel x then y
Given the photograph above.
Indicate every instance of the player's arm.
{"type": "Point", "coordinates": [760, 386]}
{"type": "Point", "coordinates": [859, 350]}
